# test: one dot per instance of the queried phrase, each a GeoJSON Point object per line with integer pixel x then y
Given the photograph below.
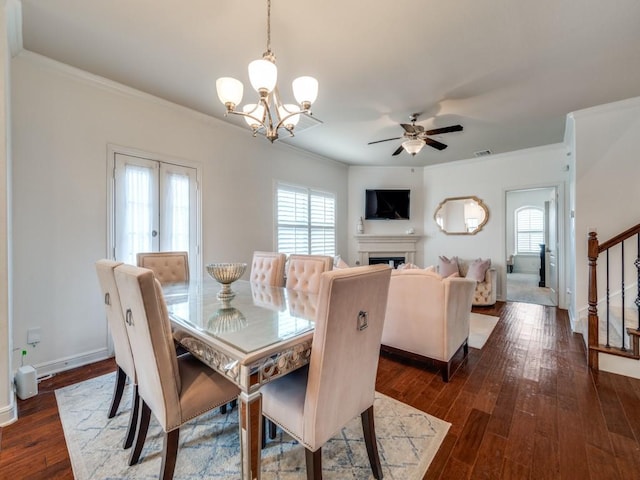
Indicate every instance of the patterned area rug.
{"type": "Point", "coordinates": [480, 327]}
{"type": "Point", "coordinates": [408, 439]}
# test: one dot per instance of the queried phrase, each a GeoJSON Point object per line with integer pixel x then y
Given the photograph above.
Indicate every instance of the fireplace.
{"type": "Point", "coordinates": [374, 248]}
{"type": "Point", "coordinates": [392, 261]}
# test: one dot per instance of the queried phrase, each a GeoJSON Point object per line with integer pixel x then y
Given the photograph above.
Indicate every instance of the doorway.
{"type": "Point", "coordinates": [532, 245]}
{"type": "Point", "coordinates": [153, 207]}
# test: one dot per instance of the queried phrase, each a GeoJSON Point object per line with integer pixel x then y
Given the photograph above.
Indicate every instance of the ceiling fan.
{"type": "Point", "coordinates": [416, 136]}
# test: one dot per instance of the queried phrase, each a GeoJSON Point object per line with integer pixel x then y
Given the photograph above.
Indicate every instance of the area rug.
{"type": "Point", "coordinates": [480, 327]}
{"type": "Point", "coordinates": [408, 439]}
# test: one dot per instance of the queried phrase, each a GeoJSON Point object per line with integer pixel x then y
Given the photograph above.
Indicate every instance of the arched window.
{"type": "Point", "coordinates": [529, 229]}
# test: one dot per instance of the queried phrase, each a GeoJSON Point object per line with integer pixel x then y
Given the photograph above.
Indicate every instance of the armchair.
{"type": "Point", "coordinates": [427, 316]}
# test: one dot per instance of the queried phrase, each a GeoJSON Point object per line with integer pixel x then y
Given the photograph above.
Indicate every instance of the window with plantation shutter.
{"type": "Point", "coordinates": [529, 229]}
{"type": "Point", "coordinates": [306, 221]}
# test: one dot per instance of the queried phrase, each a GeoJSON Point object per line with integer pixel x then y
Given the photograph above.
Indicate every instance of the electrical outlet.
{"type": "Point", "coordinates": [34, 335]}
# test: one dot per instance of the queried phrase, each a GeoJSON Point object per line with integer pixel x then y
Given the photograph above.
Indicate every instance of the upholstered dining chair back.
{"type": "Point", "coordinates": [267, 268]}
{"type": "Point", "coordinates": [345, 349]}
{"type": "Point", "coordinates": [124, 357]}
{"type": "Point", "coordinates": [303, 272]}
{"type": "Point", "coordinates": [115, 320]}
{"type": "Point", "coordinates": [149, 332]}
{"type": "Point", "coordinates": [174, 389]}
{"type": "Point", "coordinates": [168, 267]}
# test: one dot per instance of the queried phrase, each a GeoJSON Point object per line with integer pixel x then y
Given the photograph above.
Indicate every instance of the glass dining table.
{"type": "Point", "coordinates": [261, 334]}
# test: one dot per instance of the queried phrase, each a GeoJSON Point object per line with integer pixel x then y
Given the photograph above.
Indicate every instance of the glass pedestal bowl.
{"type": "Point", "coordinates": [225, 274]}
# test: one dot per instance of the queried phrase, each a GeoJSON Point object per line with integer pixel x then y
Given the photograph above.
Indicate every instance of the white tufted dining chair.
{"type": "Point", "coordinates": [303, 273]}
{"type": "Point", "coordinates": [267, 268]}
{"type": "Point", "coordinates": [312, 404]}
{"type": "Point", "coordinates": [168, 267]}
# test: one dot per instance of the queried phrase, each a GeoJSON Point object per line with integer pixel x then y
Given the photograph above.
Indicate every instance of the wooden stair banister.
{"type": "Point", "coordinates": [593, 252]}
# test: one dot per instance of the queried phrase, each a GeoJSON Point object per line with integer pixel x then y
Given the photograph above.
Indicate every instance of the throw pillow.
{"type": "Point", "coordinates": [407, 266]}
{"type": "Point", "coordinates": [478, 269]}
{"type": "Point", "coordinates": [340, 263]}
{"type": "Point", "coordinates": [446, 266]}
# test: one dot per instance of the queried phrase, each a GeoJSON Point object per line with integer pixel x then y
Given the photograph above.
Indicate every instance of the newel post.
{"type": "Point", "coordinates": [594, 341]}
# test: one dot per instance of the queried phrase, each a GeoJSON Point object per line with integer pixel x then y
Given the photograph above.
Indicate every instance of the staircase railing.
{"type": "Point", "coordinates": [614, 250]}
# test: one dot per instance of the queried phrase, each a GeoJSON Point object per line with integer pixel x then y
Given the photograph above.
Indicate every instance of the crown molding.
{"type": "Point", "coordinates": [121, 89]}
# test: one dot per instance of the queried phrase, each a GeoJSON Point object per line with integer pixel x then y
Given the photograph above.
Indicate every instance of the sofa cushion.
{"type": "Point", "coordinates": [478, 269]}
{"type": "Point", "coordinates": [447, 266]}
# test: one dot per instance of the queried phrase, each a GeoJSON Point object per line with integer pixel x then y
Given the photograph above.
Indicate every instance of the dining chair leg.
{"type": "Point", "coordinates": [121, 379]}
{"type": "Point", "coordinates": [133, 418]}
{"type": "Point", "coordinates": [141, 432]}
{"type": "Point", "coordinates": [272, 429]}
{"type": "Point", "coordinates": [169, 453]}
{"type": "Point", "coordinates": [369, 429]}
{"type": "Point", "coordinates": [314, 464]}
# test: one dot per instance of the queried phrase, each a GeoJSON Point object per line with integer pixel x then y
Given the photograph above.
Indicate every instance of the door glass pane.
{"type": "Point", "coordinates": [177, 211]}
{"type": "Point", "coordinates": [136, 199]}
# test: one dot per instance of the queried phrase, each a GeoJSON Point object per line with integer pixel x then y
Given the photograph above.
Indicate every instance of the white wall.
{"type": "Point", "coordinates": [489, 178]}
{"type": "Point", "coordinates": [607, 196]}
{"type": "Point", "coordinates": [63, 121]}
{"type": "Point", "coordinates": [8, 411]}
{"type": "Point", "coordinates": [363, 178]}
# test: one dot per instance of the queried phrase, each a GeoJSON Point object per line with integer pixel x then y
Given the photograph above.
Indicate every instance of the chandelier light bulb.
{"type": "Point", "coordinates": [305, 89]}
{"type": "Point", "coordinates": [229, 91]}
{"type": "Point", "coordinates": [288, 109]}
{"type": "Point", "coordinates": [413, 146]}
{"type": "Point", "coordinates": [263, 75]}
{"type": "Point", "coordinates": [255, 110]}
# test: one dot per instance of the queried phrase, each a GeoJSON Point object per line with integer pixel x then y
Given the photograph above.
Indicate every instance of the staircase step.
{"type": "Point", "coordinates": [615, 351]}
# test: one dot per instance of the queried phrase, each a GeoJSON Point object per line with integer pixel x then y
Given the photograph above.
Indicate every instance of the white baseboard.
{"type": "Point", "coordinates": [9, 414]}
{"type": "Point", "coordinates": [68, 363]}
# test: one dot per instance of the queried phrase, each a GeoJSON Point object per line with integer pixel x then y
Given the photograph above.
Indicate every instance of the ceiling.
{"type": "Point", "coordinates": [508, 71]}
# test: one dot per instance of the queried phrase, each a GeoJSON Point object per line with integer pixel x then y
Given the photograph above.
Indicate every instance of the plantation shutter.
{"type": "Point", "coordinates": [305, 221]}
{"type": "Point", "coordinates": [529, 230]}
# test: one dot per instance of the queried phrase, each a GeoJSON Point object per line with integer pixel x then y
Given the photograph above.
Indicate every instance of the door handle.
{"type": "Point", "coordinates": [154, 233]}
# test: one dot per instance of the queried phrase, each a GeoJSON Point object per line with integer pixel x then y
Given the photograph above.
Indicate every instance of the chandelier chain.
{"type": "Point", "coordinates": [269, 26]}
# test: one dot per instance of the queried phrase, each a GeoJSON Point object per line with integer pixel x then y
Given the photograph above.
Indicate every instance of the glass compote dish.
{"type": "Point", "coordinates": [225, 274]}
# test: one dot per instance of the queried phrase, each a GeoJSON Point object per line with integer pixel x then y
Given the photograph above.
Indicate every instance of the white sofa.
{"type": "Point", "coordinates": [427, 316]}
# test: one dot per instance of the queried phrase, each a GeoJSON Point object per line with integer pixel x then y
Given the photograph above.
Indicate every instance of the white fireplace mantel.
{"type": "Point", "coordinates": [374, 245]}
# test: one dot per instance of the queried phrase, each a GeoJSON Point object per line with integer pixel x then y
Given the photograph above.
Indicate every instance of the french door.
{"type": "Point", "coordinates": [155, 208]}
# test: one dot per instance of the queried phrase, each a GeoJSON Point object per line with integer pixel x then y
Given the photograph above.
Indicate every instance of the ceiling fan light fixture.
{"type": "Point", "coordinates": [413, 146]}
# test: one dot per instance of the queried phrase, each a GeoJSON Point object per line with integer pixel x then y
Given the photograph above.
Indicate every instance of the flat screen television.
{"type": "Point", "coordinates": [387, 204]}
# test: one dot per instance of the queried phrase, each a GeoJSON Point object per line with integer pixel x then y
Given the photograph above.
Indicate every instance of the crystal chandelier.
{"type": "Point", "coordinates": [268, 115]}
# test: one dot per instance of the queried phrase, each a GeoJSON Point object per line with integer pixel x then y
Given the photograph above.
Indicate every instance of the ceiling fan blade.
{"type": "Point", "coordinates": [437, 131]}
{"type": "Point", "coordinates": [434, 143]}
{"type": "Point", "coordinates": [398, 151]}
{"type": "Point", "coordinates": [409, 128]}
{"type": "Point", "coordinates": [386, 140]}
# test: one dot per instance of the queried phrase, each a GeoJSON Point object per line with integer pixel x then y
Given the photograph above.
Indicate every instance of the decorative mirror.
{"type": "Point", "coordinates": [461, 215]}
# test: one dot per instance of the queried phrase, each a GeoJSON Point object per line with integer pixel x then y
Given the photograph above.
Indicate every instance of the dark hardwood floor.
{"type": "Point", "coordinates": [525, 406]}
